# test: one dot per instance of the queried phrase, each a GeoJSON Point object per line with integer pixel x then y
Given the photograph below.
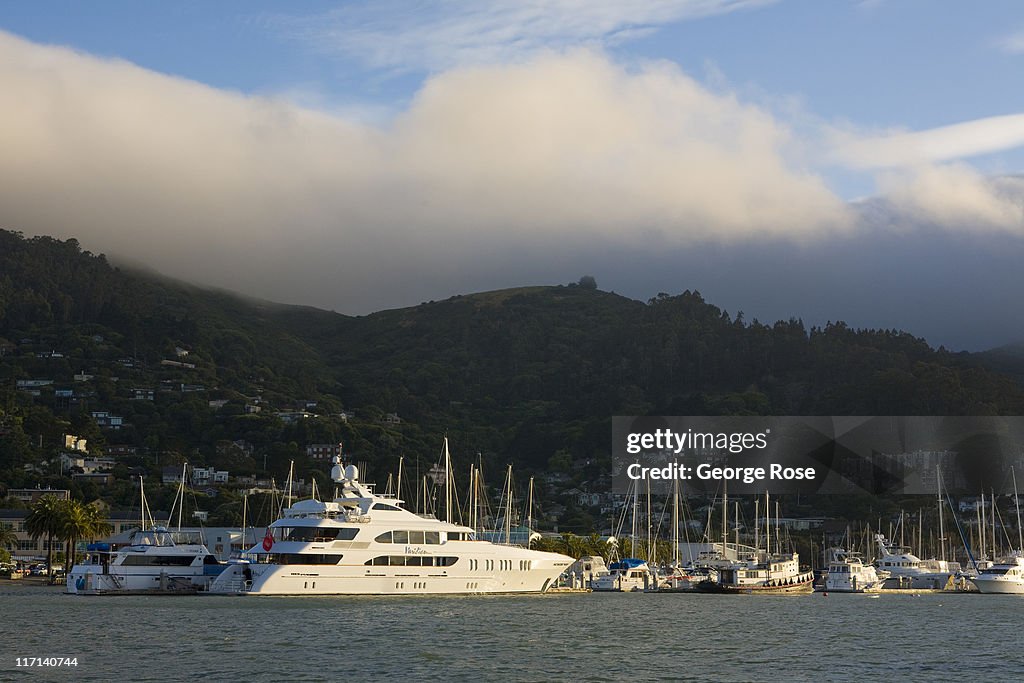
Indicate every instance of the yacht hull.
{"type": "Point", "coordinates": [362, 580]}
{"type": "Point", "coordinates": [999, 586]}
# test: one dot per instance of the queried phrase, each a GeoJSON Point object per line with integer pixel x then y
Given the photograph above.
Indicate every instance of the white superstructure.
{"type": "Point", "coordinates": [362, 543]}
{"type": "Point", "coordinates": [847, 573]}
{"type": "Point", "coordinates": [906, 570]}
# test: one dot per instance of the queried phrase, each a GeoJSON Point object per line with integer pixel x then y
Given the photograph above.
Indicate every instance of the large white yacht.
{"type": "Point", "coordinates": [153, 561]}
{"type": "Point", "coordinates": [362, 543]}
{"type": "Point", "coordinates": [1004, 577]}
{"type": "Point", "coordinates": [847, 573]}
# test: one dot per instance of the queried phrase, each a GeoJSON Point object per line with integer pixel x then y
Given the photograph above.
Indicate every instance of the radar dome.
{"type": "Point", "coordinates": [352, 472]}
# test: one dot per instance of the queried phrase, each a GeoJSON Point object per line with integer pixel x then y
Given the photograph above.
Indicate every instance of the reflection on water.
{"type": "Point", "coordinates": [546, 637]}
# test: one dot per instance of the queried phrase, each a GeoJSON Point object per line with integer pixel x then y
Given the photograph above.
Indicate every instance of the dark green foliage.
{"type": "Point", "coordinates": [529, 375]}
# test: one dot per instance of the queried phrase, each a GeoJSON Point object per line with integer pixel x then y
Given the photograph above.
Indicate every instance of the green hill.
{"type": "Point", "coordinates": [529, 376]}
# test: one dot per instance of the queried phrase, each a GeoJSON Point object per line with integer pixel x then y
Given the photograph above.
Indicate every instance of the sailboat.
{"type": "Point", "coordinates": [629, 574]}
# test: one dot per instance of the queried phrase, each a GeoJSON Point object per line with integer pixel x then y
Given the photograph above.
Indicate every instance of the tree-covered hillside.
{"type": "Point", "coordinates": [530, 376]}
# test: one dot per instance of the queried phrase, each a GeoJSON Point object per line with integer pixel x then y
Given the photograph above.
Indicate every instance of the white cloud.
{"type": "Point", "coordinates": [263, 196]}
{"type": "Point", "coordinates": [901, 148]}
{"type": "Point", "coordinates": [441, 34]}
{"type": "Point", "coordinates": [954, 197]}
{"type": "Point", "coordinates": [1012, 43]}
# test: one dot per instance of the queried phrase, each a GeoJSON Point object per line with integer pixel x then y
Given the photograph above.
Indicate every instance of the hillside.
{"type": "Point", "coordinates": [529, 376]}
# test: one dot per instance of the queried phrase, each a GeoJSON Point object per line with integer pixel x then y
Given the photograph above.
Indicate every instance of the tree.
{"type": "Point", "coordinates": [8, 538]}
{"type": "Point", "coordinates": [588, 282]}
{"type": "Point", "coordinates": [80, 521]}
{"type": "Point", "coordinates": [44, 519]}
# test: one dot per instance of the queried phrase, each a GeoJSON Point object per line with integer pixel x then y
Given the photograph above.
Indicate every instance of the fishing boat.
{"type": "Point", "coordinates": [847, 573]}
{"type": "Point", "coordinates": [362, 543]}
{"type": "Point", "coordinates": [762, 571]}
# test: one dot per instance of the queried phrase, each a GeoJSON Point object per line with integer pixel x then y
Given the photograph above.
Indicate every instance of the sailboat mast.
{"type": "Point", "coordinates": [1016, 504]}
{"type": "Point", "coordinates": [245, 510]}
{"type": "Point", "coordinates": [508, 508]}
{"type": "Point", "coordinates": [529, 510]}
{"type": "Point", "coordinates": [725, 517]}
{"type": "Point", "coordinates": [983, 527]}
{"type": "Point", "coordinates": [181, 491]}
{"type": "Point", "coordinates": [675, 521]}
{"type": "Point", "coordinates": [942, 528]}
{"type": "Point", "coordinates": [398, 484]}
{"type": "Point", "coordinates": [447, 483]}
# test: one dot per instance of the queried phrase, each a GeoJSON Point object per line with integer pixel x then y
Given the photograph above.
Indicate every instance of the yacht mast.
{"type": "Point", "coordinates": [983, 526]}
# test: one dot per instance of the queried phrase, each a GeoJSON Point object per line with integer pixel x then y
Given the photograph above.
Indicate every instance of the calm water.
{"type": "Point", "coordinates": [596, 637]}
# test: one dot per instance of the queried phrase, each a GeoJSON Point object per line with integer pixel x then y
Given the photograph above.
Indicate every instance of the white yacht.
{"type": "Point", "coordinates": [626, 575]}
{"type": "Point", "coordinates": [153, 561]}
{"type": "Point", "coordinates": [847, 573]}
{"type": "Point", "coordinates": [362, 543]}
{"type": "Point", "coordinates": [908, 571]}
{"type": "Point", "coordinates": [1003, 577]}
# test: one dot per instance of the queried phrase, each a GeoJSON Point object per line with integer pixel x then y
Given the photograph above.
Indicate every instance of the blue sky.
{"type": "Point", "coordinates": [435, 139]}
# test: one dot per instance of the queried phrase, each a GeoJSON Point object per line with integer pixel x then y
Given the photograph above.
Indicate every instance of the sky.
{"type": "Point", "coordinates": [859, 161]}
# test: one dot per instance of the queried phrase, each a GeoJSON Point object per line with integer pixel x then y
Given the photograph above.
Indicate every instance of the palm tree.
{"type": "Point", "coordinates": [80, 521]}
{"type": "Point", "coordinates": [44, 519]}
{"type": "Point", "coordinates": [8, 539]}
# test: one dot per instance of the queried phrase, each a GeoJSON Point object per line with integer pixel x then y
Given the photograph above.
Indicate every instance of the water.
{"type": "Point", "coordinates": [628, 637]}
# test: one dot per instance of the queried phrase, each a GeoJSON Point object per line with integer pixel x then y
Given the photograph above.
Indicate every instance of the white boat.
{"type": "Point", "coordinates": [153, 561]}
{"type": "Point", "coordinates": [847, 573]}
{"type": "Point", "coordinates": [906, 570]}
{"type": "Point", "coordinates": [626, 575]}
{"type": "Point", "coordinates": [362, 543]}
{"type": "Point", "coordinates": [762, 573]}
{"type": "Point", "coordinates": [1004, 577]}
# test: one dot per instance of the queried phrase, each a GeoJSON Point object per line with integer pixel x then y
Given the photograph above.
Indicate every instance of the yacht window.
{"type": "Point", "coordinates": [384, 537]}
{"type": "Point", "coordinates": [298, 558]}
{"type": "Point", "coordinates": [385, 506]}
{"type": "Point", "coordinates": [158, 560]}
{"type": "Point", "coordinates": [432, 537]}
{"type": "Point", "coordinates": [416, 537]}
{"type": "Point", "coordinates": [400, 536]}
